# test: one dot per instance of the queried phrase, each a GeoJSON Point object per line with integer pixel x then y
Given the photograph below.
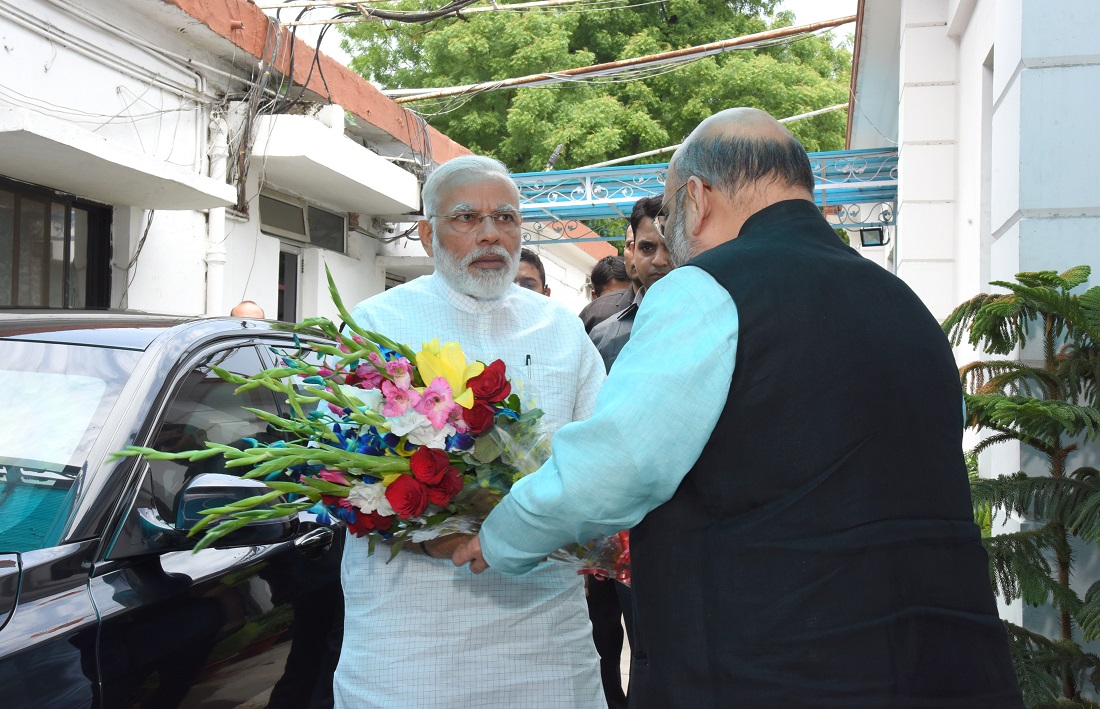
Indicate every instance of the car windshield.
{"type": "Point", "coordinates": [56, 400]}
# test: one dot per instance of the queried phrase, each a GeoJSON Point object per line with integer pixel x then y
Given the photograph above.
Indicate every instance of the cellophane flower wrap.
{"type": "Point", "coordinates": [399, 444]}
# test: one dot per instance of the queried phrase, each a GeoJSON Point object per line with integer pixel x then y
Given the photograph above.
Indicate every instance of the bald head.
{"type": "Point", "coordinates": [247, 309]}
{"type": "Point", "coordinates": [744, 148]}
{"type": "Point", "coordinates": [733, 164]}
{"type": "Point", "coordinates": [745, 122]}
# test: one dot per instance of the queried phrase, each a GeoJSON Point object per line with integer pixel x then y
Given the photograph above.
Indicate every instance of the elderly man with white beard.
{"type": "Point", "coordinates": [418, 632]}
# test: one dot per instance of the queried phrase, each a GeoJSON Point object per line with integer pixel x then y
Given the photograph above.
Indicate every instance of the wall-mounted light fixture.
{"type": "Point", "coordinates": [873, 236]}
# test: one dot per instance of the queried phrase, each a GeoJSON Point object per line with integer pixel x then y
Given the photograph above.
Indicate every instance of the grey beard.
{"type": "Point", "coordinates": [486, 285]}
{"type": "Point", "coordinates": [680, 248]}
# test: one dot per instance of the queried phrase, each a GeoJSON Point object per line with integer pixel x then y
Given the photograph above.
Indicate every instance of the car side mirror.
{"type": "Point", "coordinates": [209, 490]}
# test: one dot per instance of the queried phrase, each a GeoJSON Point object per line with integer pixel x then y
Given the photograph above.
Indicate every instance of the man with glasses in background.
{"type": "Point", "coordinates": [418, 631]}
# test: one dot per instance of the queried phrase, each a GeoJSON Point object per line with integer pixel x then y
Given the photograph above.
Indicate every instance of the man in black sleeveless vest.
{"type": "Point", "coordinates": [820, 549]}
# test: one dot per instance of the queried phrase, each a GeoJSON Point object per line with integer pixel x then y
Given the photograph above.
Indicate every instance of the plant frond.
{"type": "Point", "coordinates": [1052, 279]}
{"type": "Point", "coordinates": [992, 441]}
{"type": "Point", "coordinates": [1042, 662]}
{"type": "Point", "coordinates": [1088, 616]}
{"type": "Point", "coordinates": [1018, 565]}
{"type": "Point", "coordinates": [1034, 418]}
{"type": "Point", "coordinates": [1071, 501]}
{"type": "Point", "coordinates": [1090, 306]}
{"type": "Point", "coordinates": [987, 317]}
{"type": "Point", "coordinates": [1075, 276]}
{"type": "Point", "coordinates": [1084, 472]}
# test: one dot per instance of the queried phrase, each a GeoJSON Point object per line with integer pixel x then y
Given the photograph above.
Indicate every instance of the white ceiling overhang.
{"type": "Point", "coordinates": [303, 155]}
{"type": "Point", "coordinates": [52, 153]}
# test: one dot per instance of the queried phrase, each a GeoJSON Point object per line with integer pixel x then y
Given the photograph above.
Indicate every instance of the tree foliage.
{"type": "Point", "coordinates": [603, 119]}
{"type": "Point", "coordinates": [1050, 404]}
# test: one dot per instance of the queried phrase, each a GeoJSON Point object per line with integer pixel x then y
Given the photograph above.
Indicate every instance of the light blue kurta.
{"type": "Point", "coordinates": [420, 632]}
{"type": "Point", "coordinates": [655, 413]}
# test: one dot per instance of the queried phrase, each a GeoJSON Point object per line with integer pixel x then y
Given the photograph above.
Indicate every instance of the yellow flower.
{"type": "Point", "coordinates": [447, 361]}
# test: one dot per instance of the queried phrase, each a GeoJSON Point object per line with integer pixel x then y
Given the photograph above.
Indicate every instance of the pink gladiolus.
{"type": "Point", "coordinates": [398, 400]}
{"type": "Point", "coordinates": [436, 402]}
{"type": "Point", "coordinates": [400, 370]}
{"type": "Point", "coordinates": [457, 421]}
{"type": "Point", "coordinates": [344, 348]}
{"type": "Point", "coordinates": [365, 376]}
{"type": "Point", "coordinates": [333, 476]}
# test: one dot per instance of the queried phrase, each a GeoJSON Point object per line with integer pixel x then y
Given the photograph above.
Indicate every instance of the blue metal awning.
{"type": "Point", "coordinates": [856, 188]}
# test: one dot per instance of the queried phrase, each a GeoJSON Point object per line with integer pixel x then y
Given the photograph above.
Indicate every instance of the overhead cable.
{"type": "Point", "coordinates": [702, 50]}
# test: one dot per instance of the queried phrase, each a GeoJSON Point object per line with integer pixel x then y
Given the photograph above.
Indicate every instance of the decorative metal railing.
{"type": "Point", "coordinates": [855, 188]}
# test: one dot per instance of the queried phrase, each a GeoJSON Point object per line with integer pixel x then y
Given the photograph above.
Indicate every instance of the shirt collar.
{"type": "Point", "coordinates": [628, 311]}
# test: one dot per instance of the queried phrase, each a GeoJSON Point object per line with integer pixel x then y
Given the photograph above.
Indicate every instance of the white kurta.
{"type": "Point", "coordinates": [419, 632]}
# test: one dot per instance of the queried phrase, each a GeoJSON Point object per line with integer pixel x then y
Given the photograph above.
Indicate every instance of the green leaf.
{"type": "Point", "coordinates": [486, 449]}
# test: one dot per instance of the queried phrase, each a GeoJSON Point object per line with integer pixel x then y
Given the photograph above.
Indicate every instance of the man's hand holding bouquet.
{"type": "Point", "coordinates": [400, 445]}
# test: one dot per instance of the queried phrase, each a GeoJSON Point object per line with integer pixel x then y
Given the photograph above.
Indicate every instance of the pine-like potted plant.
{"type": "Point", "coordinates": [1050, 403]}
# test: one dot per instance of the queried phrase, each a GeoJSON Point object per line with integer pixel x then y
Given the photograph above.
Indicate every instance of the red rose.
{"type": "Point", "coordinates": [480, 418]}
{"type": "Point", "coordinates": [491, 384]}
{"type": "Point", "coordinates": [407, 496]}
{"type": "Point", "coordinates": [367, 523]}
{"type": "Point", "coordinates": [427, 464]}
{"type": "Point", "coordinates": [363, 524]}
{"type": "Point", "coordinates": [442, 493]}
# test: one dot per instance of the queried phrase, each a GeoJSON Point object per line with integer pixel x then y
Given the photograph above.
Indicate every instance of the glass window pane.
{"type": "Point", "coordinates": [281, 215]}
{"type": "Point", "coordinates": [56, 275]}
{"type": "Point", "coordinates": [326, 229]}
{"type": "Point", "coordinates": [78, 259]}
{"type": "Point", "coordinates": [31, 243]}
{"type": "Point", "coordinates": [7, 245]}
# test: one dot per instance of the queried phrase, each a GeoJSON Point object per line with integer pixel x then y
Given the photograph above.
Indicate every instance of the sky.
{"type": "Point", "coordinates": [807, 11]}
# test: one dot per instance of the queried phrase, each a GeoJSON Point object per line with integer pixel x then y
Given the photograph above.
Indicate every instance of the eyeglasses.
{"type": "Point", "coordinates": [663, 214]}
{"type": "Point", "coordinates": [466, 222]}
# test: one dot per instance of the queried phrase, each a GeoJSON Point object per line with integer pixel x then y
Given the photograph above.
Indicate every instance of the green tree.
{"type": "Point", "coordinates": [1050, 404]}
{"type": "Point", "coordinates": [603, 119]}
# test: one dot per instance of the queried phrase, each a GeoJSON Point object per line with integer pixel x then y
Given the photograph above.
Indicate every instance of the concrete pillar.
{"type": "Point", "coordinates": [927, 131]}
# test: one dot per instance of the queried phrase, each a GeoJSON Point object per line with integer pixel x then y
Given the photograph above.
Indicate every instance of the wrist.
{"type": "Point", "coordinates": [424, 548]}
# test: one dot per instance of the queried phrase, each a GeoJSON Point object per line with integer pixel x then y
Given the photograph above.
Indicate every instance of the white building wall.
{"type": "Point", "coordinates": [925, 253]}
{"type": "Point", "coordinates": [998, 148]}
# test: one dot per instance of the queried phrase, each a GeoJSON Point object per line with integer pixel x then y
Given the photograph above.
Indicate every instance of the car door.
{"type": "Point", "coordinates": [229, 627]}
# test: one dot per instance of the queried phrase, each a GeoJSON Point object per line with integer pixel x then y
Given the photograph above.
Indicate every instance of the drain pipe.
{"type": "Point", "coordinates": [215, 220]}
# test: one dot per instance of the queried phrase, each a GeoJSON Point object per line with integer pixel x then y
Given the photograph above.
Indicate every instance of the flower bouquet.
{"type": "Point", "coordinates": [400, 445]}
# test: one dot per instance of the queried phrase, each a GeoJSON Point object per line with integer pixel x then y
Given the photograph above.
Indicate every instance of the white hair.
{"type": "Point", "coordinates": [458, 168]}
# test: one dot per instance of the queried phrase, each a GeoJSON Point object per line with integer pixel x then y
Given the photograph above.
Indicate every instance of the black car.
{"type": "Point", "coordinates": [102, 601]}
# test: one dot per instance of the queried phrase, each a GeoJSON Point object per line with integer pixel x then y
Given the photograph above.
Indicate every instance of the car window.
{"type": "Point", "coordinates": [56, 400]}
{"type": "Point", "coordinates": [205, 409]}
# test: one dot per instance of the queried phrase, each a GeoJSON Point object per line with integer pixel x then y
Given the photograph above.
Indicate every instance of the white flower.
{"type": "Point", "coordinates": [429, 435]}
{"type": "Point", "coordinates": [371, 398]}
{"type": "Point", "coordinates": [420, 430]}
{"type": "Point", "coordinates": [370, 498]}
{"type": "Point", "coordinates": [401, 425]}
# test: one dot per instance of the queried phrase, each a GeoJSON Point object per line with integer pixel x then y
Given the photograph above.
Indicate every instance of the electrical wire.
{"type": "Point", "coordinates": [450, 104]}
{"type": "Point", "coordinates": [133, 261]}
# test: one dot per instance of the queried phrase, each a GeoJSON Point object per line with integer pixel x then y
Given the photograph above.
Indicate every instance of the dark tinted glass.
{"type": "Point", "coordinates": [205, 409]}
{"type": "Point", "coordinates": [326, 229]}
